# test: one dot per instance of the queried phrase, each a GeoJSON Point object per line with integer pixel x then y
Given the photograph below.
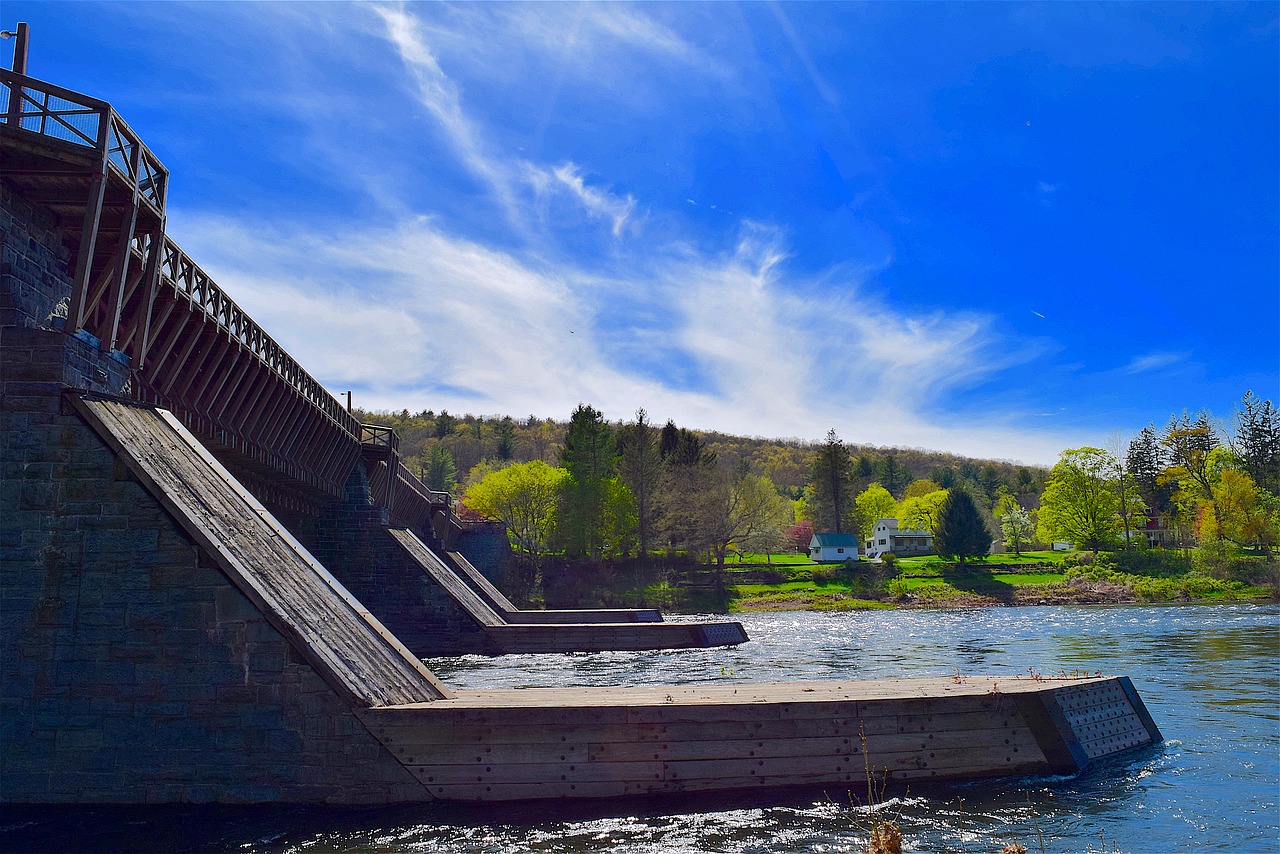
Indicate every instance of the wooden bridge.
{"type": "Point", "coordinates": [191, 349]}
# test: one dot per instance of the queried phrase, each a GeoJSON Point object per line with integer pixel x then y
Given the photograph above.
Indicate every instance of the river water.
{"type": "Point", "coordinates": [1210, 676]}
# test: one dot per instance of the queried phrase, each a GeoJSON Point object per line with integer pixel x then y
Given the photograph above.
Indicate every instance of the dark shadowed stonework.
{"type": "Point", "coordinates": [131, 669]}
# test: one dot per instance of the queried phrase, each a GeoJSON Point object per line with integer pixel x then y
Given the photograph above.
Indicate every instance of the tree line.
{"type": "Point", "coordinates": [1190, 482]}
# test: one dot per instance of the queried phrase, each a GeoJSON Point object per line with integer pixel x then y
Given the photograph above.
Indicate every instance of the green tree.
{"type": "Point", "coordinates": [1190, 445]}
{"type": "Point", "coordinates": [1080, 503]}
{"type": "Point", "coordinates": [1145, 460]}
{"type": "Point", "coordinates": [442, 474]}
{"type": "Point", "coordinates": [874, 503]}
{"type": "Point", "coordinates": [893, 475]}
{"type": "Point", "coordinates": [749, 510]}
{"type": "Point", "coordinates": [1249, 515]}
{"type": "Point", "coordinates": [1256, 441]}
{"type": "Point", "coordinates": [640, 466]}
{"type": "Point", "coordinates": [1017, 526]}
{"type": "Point", "coordinates": [830, 498]}
{"type": "Point", "coordinates": [524, 498]}
{"type": "Point", "coordinates": [920, 512]}
{"type": "Point", "coordinates": [505, 438]}
{"type": "Point", "coordinates": [445, 424]}
{"type": "Point", "coordinates": [590, 459]}
{"type": "Point", "coordinates": [961, 533]}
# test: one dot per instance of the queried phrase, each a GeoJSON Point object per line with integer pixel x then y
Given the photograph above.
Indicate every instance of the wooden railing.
{"type": "Point", "coordinates": [190, 346]}
{"type": "Point", "coordinates": [72, 118]}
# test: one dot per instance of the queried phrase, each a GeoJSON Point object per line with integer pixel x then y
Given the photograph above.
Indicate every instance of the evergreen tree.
{"type": "Point", "coordinates": [831, 498]}
{"type": "Point", "coordinates": [893, 475]}
{"type": "Point", "coordinates": [442, 473]}
{"type": "Point", "coordinates": [589, 457]}
{"type": "Point", "coordinates": [640, 466]}
{"type": "Point", "coordinates": [505, 434]}
{"type": "Point", "coordinates": [445, 424]}
{"type": "Point", "coordinates": [1257, 441]}
{"type": "Point", "coordinates": [1145, 461]}
{"type": "Point", "coordinates": [961, 533]}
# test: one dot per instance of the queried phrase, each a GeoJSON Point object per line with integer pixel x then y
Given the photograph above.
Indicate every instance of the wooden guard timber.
{"type": "Point", "coordinates": [557, 635]}
{"type": "Point", "coordinates": [614, 742]}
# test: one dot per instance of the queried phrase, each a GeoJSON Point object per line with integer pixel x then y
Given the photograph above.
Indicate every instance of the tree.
{"type": "Point", "coordinates": [442, 474]}
{"type": "Point", "coordinates": [445, 424]}
{"type": "Point", "coordinates": [874, 503]}
{"type": "Point", "coordinates": [961, 533]}
{"type": "Point", "coordinates": [799, 535]}
{"type": "Point", "coordinates": [752, 510]}
{"type": "Point", "coordinates": [1079, 503]}
{"type": "Point", "coordinates": [640, 466]}
{"type": "Point", "coordinates": [829, 500]}
{"type": "Point", "coordinates": [1017, 527]}
{"type": "Point", "coordinates": [920, 512]}
{"type": "Point", "coordinates": [1257, 441]}
{"type": "Point", "coordinates": [505, 434]}
{"type": "Point", "coordinates": [1145, 460]}
{"type": "Point", "coordinates": [917, 488]}
{"type": "Point", "coordinates": [893, 477]}
{"type": "Point", "coordinates": [589, 457]}
{"type": "Point", "coordinates": [1248, 514]}
{"type": "Point", "coordinates": [523, 497]}
{"type": "Point", "coordinates": [1190, 445]}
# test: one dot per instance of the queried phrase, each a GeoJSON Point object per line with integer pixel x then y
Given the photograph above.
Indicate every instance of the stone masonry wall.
{"type": "Point", "coordinates": [34, 286]}
{"type": "Point", "coordinates": [132, 669]}
{"type": "Point", "coordinates": [351, 541]}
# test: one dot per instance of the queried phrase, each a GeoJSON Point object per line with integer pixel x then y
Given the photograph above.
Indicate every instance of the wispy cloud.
{"type": "Point", "coordinates": [471, 328]}
{"type": "Point", "coordinates": [1154, 361]}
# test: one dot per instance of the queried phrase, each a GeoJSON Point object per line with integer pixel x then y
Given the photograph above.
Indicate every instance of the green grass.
{"type": "Point", "coordinates": [785, 558]}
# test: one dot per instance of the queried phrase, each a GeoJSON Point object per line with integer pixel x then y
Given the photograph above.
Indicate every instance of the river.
{"type": "Point", "coordinates": [1210, 676]}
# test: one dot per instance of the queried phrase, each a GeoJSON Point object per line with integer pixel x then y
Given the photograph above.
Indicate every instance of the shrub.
{"type": "Point", "coordinates": [1220, 559]}
{"type": "Point", "coordinates": [823, 574]}
{"type": "Point", "coordinates": [1156, 563]}
{"type": "Point", "coordinates": [889, 559]}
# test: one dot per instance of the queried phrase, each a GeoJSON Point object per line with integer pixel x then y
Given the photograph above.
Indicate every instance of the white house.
{"type": "Point", "coordinates": [833, 548]}
{"type": "Point", "coordinates": [888, 537]}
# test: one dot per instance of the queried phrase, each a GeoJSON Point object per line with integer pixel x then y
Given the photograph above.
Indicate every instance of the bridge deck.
{"type": "Point", "coordinates": [349, 647]}
{"type": "Point", "coordinates": [563, 637]}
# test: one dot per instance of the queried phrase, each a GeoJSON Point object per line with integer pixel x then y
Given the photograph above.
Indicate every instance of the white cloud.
{"type": "Point", "coordinates": [415, 317]}
{"type": "Point", "coordinates": [1154, 361]}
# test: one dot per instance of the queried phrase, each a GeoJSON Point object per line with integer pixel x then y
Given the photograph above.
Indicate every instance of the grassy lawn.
{"type": "Point", "coordinates": [799, 596]}
{"type": "Point", "coordinates": [785, 558]}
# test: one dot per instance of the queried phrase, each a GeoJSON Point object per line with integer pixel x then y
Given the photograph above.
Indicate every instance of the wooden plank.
{"type": "Point", "coordinates": [328, 626]}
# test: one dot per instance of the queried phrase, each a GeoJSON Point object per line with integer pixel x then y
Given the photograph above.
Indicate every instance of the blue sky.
{"type": "Point", "coordinates": [995, 229]}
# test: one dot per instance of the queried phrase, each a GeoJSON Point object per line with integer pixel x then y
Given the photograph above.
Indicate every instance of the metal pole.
{"type": "Point", "coordinates": [348, 401]}
{"type": "Point", "coordinates": [23, 36]}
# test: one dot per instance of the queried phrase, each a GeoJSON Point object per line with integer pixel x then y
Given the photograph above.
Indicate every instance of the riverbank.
{"type": "Point", "coordinates": [780, 583]}
{"type": "Point", "coordinates": [1006, 580]}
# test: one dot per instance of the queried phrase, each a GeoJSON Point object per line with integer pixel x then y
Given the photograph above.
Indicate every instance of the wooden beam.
{"type": "Point", "coordinates": [78, 307]}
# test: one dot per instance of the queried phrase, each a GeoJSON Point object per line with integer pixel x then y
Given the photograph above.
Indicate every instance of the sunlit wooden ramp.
{"type": "Point", "coordinates": [354, 652]}
{"type": "Point", "coordinates": [526, 637]}
{"type": "Point", "coordinates": [620, 742]}
{"type": "Point", "coordinates": [495, 599]}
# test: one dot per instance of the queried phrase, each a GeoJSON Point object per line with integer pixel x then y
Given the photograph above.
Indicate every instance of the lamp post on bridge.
{"type": "Point", "coordinates": [23, 36]}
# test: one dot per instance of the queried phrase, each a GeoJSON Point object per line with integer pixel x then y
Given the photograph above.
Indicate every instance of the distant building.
{"type": "Point", "coordinates": [888, 537]}
{"type": "Point", "coordinates": [833, 548]}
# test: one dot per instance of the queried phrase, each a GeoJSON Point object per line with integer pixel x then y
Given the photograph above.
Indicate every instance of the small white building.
{"type": "Point", "coordinates": [888, 537]}
{"type": "Point", "coordinates": [833, 548]}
